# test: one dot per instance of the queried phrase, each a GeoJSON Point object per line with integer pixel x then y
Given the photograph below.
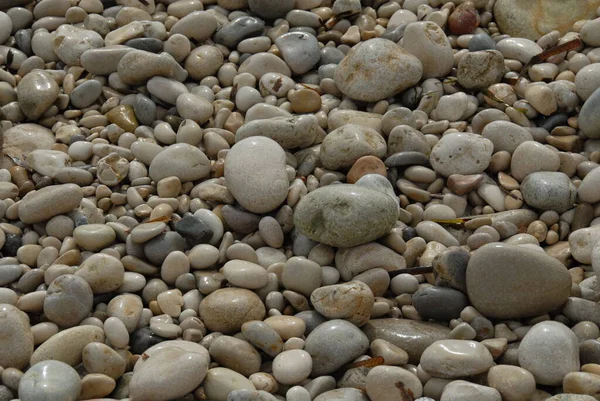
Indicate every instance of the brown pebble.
{"type": "Point", "coordinates": [124, 117]}
{"type": "Point", "coordinates": [463, 184]}
{"type": "Point", "coordinates": [464, 19]}
{"type": "Point", "coordinates": [365, 165]}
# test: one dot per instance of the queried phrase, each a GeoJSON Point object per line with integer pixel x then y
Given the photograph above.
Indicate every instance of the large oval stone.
{"type": "Point", "coordinates": [377, 69]}
{"type": "Point", "coordinates": [532, 19]}
{"type": "Point", "coordinates": [509, 281]}
{"type": "Point", "coordinates": [410, 335]}
{"type": "Point", "coordinates": [16, 340]}
{"type": "Point", "coordinates": [227, 309]}
{"type": "Point", "coordinates": [49, 202]}
{"type": "Point", "coordinates": [256, 175]}
{"type": "Point", "coordinates": [181, 160]}
{"type": "Point", "coordinates": [345, 215]}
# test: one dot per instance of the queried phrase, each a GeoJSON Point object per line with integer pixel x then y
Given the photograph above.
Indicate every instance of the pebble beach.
{"type": "Point", "coordinates": [300, 200]}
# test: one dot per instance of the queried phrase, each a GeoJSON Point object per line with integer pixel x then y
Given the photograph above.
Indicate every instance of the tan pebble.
{"type": "Point", "coordinates": [16, 338]}
{"type": "Point", "coordinates": [96, 385]}
{"type": "Point", "coordinates": [287, 326]}
{"type": "Point", "coordinates": [127, 308]}
{"type": "Point", "coordinates": [235, 354]}
{"type": "Point", "coordinates": [43, 331]}
{"type": "Point", "coordinates": [67, 345]}
{"type": "Point", "coordinates": [513, 383]}
{"type": "Point", "coordinates": [391, 354]}
{"type": "Point", "coordinates": [100, 358]}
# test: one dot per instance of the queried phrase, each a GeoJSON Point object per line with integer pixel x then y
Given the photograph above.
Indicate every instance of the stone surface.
{"type": "Point", "coordinates": [255, 174]}
{"type": "Point", "coordinates": [376, 69]}
{"type": "Point", "coordinates": [35, 207]}
{"type": "Point", "coordinates": [333, 344]}
{"type": "Point", "coordinates": [533, 19]}
{"type": "Point", "coordinates": [549, 351]}
{"type": "Point", "coordinates": [461, 153]}
{"type": "Point", "coordinates": [410, 335]}
{"type": "Point", "coordinates": [50, 380]}
{"type": "Point", "coordinates": [225, 310]}
{"type": "Point", "coordinates": [508, 281]}
{"type": "Point", "coordinates": [345, 215]}
{"type": "Point", "coordinates": [549, 191]}
{"type": "Point", "coordinates": [456, 358]}
{"type": "Point", "coordinates": [16, 339]}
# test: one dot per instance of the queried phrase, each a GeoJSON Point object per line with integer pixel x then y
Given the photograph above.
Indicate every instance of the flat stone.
{"type": "Point", "coordinates": [35, 207]}
{"type": "Point", "coordinates": [86, 94]}
{"type": "Point", "coordinates": [505, 135]}
{"type": "Point", "coordinates": [462, 390]}
{"type": "Point", "coordinates": [550, 351]}
{"type": "Point", "coordinates": [138, 66]}
{"type": "Point", "coordinates": [439, 303]}
{"type": "Point", "coordinates": [333, 344]}
{"type": "Point", "coordinates": [382, 383]}
{"type": "Point", "coordinates": [255, 174]}
{"type": "Point", "coordinates": [105, 60]}
{"type": "Point", "coordinates": [509, 281]}
{"type": "Point", "coordinates": [71, 42]}
{"type": "Point", "coordinates": [450, 359]}
{"type": "Point", "coordinates": [289, 132]}
{"type": "Point", "coordinates": [530, 157]}
{"type": "Point", "coordinates": [360, 78]}
{"type": "Point", "coordinates": [534, 19]}
{"type": "Point", "coordinates": [67, 346]}
{"type": "Point", "coordinates": [518, 48]}
{"type": "Point", "coordinates": [549, 191]}
{"type": "Point", "coordinates": [345, 215]}
{"type": "Point", "coordinates": [197, 25]}
{"type": "Point", "coordinates": [231, 34]}
{"type": "Point", "coordinates": [180, 160]}
{"type": "Point", "coordinates": [410, 335]}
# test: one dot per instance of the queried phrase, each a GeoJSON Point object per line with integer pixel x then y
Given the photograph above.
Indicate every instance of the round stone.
{"type": "Point", "coordinates": [461, 390]}
{"type": "Point", "coordinates": [86, 94]}
{"type": "Point", "coordinates": [505, 135]}
{"type": "Point", "coordinates": [450, 359]}
{"type": "Point", "coordinates": [382, 383]}
{"type": "Point", "coordinates": [509, 281]}
{"type": "Point", "coordinates": [589, 116]}
{"type": "Point", "coordinates": [549, 351]}
{"type": "Point", "coordinates": [300, 51]}
{"type": "Point", "coordinates": [69, 300]}
{"type": "Point", "coordinates": [36, 92]}
{"type": "Point", "coordinates": [292, 367]}
{"type": "Point", "coordinates": [104, 273]}
{"type": "Point", "coordinates": [333, 344]}
{"type": "Point", "coordinates": [226, 310]}
{"type": "Point", "coordinates": [461, 153]}
{"type": "Point", "coordinates": [50, 381]}
{"type": "Point", "coordinates": [343, 146]}
{"type": "Point", "coordinates": [376, 69]}
{"type": "Point", "coordinates": [549, 191]}
{"type": "Point", "coordinates": [345, 215]}
{"type": "Point", "coordinates": [530, 157]}
{"type": "Point", "coordinates": [256, 175]}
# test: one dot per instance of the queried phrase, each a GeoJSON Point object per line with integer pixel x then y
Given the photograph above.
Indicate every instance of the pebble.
{"type": "Point", "coordinates": [439, 303]}
{"type": "Point", "coordinates": [62, 293]}
{"type": "Point", "coordinates": [461, 153]}
{"type": "Point", "coordinates": [35, 208]}
{"type": "Point", "coordinates": [67, 345]}
{"type": "Point", "coordinates": [50, 380]}
{"type": "Point", "coordinates": [367, 215]}
{"type": "Point", "coordinates": [375, 82]}
{"type": "Point", "coordinates": [512, 382]}
{"type": "Point", "coordinates": [36, 92]}
{"type": "Point", "coordinates": [460, 358]}
{"type": "Point", "coordinates": [180, 160]}
{"type": "Point", "coordinates": [428, 42]}
{"type": "Point", "coordinates": [549, 191]}
{"type": "Point", "coordinates": [255, 173]}
{"type": "Point", "coordinates": [220, 382]}
{"type": "Point", "coordinates": [225, 310]}
{"type": "Point", "coordinates": [351, 301]}
{"type": "Point", "coordinates": [16, 340]}
{"type": "Point", "coordinates": [549, 368]}
{"type": "Point", "coordinates": [467, 391]}
{"type": "Point", "coordinates": [169, 364]}
{"type": "Point", "coordinates": [505, 135]}
{"type": "Point", "coordinates": [336, 154]}
{"type": "Point", "coordinates": [520, 49]}
{"type": "Point", "coordinates": [292, 367]}
{"type": "Point", "coordinates": [333, 344]}
{"type": "Point", "coordinates": [530, 157]}
{"type": "Point", "coordinates": [493, 287]}
{"type": "Point", "coordinates": [480, 69]}
{"type": "Point", "coordinates": [588, 116]}
{"type": "Point", "coordinates": [300, 51]}
{"type": "Point", "coordinates": [382, 383]}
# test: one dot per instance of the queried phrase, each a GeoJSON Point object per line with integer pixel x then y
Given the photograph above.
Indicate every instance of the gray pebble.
{"type": "Point", "coordinates": [549, 191]}
{"type": "Point", "coordinates": [157, 249]}
{"type": "Point", "coordinates": [439, 303]}
{"type": "Point", "coordinates": [237, 30]}
{"type": "Point", "coordinates": [481, 41]}
{"type": "Point", "coordinates": [271, 9]}
{"type": "Point", "coordinates": [68, 301]}
{"type": "Point", "coordinates": [50, 381]}
{"type": "Point", "coordinates": [145, 109]}
{"type": "Point", "coordinates": [86, 94]}
{"type": "Point", "coordinates": [299, 50]}
{"type": "Point", "coordinates": [152, 45]}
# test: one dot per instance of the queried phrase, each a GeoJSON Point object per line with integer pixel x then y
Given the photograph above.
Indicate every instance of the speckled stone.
{"type": "Point", "coordinates": [225, 310]}
{"type": "Point", "coordinates": [549, 191]}
{"type": "Point", "coordinates": [377, 69]}
{"type": "Point", "coordinates": [16, 339]}
{"type": "Point", "coordinates": [461, 153]}
{"type": "Point", "coordinates": [345, 215]}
